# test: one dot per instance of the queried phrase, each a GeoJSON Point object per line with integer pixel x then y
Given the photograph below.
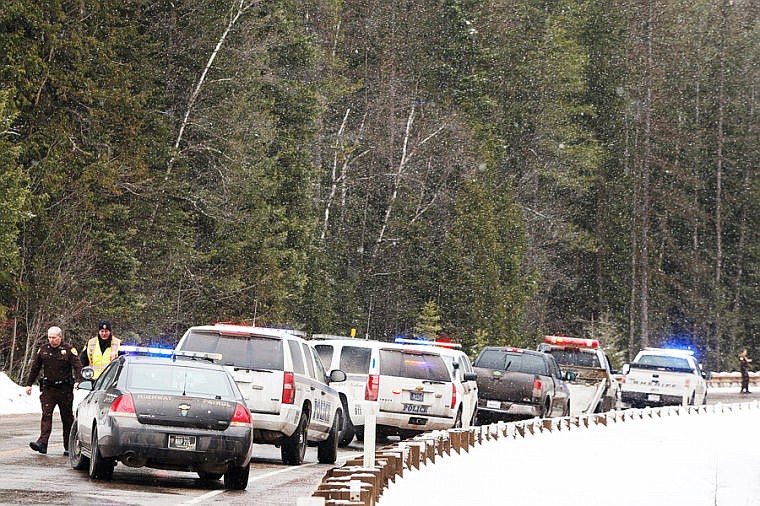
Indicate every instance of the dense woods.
{"type": "Point", "coordinates": [498, 169]}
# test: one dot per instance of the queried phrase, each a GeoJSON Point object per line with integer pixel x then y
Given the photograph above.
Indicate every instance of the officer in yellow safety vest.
{"type": "Point", "coordinates": [101, 349]}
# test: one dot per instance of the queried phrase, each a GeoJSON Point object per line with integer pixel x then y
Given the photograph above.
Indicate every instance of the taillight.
{"type": "Point", "coordinates": [123, 406]}
{"type": "Point", "coordinates": [536, 388]}
{"type": "Point", "coordinates": [453, 396]}
{"type": "Point", "coordinates": [373, 387]}
{"type": "Point", "coordinates": [241, 416]}
{"type": "Point", "coordinates": [288, 388]}
{"type": "Point", "coordinates": [686, 383]}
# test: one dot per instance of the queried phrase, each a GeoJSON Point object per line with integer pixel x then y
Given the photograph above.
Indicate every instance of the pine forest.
{"type": "Point", "coordinates": [500, 170]}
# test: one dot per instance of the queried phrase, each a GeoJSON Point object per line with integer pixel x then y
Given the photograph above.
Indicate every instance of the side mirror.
{"type": "Point", "coordinates": [569, 375]}
{"type": "Point", "coordinates": [336, 375]}
{"type": "Point", "coordinates": [85, 385]}
{"type": "Point", "coordinates": [469, 376]}
{"type": "Point", "coordinates": [88, 372]}
{"type": "Point", "coordinates": [707, 375]}
{"type": "Point", "coordinates": [626, 369]}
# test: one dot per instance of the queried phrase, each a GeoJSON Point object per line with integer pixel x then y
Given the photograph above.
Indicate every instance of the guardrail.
{"type": "Point", "coordinates": [355, 485]}
{"type": "Point", "coordinates": [731, 379]}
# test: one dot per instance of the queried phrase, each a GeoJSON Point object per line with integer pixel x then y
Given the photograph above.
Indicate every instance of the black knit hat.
{"type": "Point", "coordinates": [104, 324]}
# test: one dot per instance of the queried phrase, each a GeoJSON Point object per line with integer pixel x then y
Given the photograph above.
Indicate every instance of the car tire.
{"type": "Point", "coordinates": [209, 476]}
{"type": "Point", "coordinates": [100, 467]}
{"type": "Point", "coordinates": [236, 478]}
{"type": "Point", "coordinates": [348, 432]}
{"type": "Point", "coordinates": [327, 450]}
{"type": "Point", "coordinates": [294, 447]}
{"type": "Point", "coordinates": [76, 459]}
{"type": "Point", "coordinates": [458, 419]}
{"type": "Point", "coordinates": [546, 409]}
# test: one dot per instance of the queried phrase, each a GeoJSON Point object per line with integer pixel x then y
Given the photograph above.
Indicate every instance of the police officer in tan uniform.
{"type": "Point", "coordinates": [62, 370]}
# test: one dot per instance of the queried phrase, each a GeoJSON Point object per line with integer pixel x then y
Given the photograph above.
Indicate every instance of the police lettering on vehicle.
{"type": "Point", "coordinates": [414, 408]}
{"type": "Point", "coordinates": [322, 410]}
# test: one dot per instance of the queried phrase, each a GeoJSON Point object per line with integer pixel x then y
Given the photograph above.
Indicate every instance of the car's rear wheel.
{"type": "Point", "coordinates": [209, 476]}
{"type": "Point", "coordinates": [458, 419]}
{"type": "Point", "coordinates": [236, 478]}
{"type": "Point", "coordinates": [76, 459]}
{"type": "Point", "coordinates": [327, 450]}
{"type": "Point", "coordinates": [100, 467]}
{"type": "Point", "coordinates": [547, 409]}
{"type": "Point", "coordinates": [294, 447]}
{"type": "Point", "coordinates": [348, 432]}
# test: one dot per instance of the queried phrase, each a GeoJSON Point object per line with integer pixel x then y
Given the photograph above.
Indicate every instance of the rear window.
{"type": "Point", "coordinates": [355, 360]}
{"type": "Point", "coordinates": [659, 361]}
{"type": "Point", "coordinates": [245, 352]}
{"type": "Point", "coordinates": [513, 362]}
{"type": "Point", "coordinates": [416, 365]}
{"type": "Point", "coordinates": [179, 380]}
{"type": "Point", "coordinates": [576, 357]}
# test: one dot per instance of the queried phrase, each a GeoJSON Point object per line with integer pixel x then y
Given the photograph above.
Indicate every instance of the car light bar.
{"type": "Point", "coordinates": [425, 342]}
{"type": "Point", "coordinates": [572, 341]}
{"type": "Point", "coordinates": [149, 350]}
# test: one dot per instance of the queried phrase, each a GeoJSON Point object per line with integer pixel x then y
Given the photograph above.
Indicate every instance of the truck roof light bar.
{"type": "Point", "coordinates": [572, 341]}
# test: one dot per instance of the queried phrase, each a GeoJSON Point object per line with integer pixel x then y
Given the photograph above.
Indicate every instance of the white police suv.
{"type": "Point", "coordinates": [284, 384]}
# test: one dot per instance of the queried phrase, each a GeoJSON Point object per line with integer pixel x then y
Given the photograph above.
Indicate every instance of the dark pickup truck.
{"type": "Point", "coordinates": [518, 383]}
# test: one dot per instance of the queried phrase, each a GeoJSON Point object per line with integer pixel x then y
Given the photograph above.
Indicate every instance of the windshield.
{"type": "Point", "coordinates": [175, 379]}
{"type": "Point", "coordinates": [243, 352]}
{"type": "Point", "coordinates": [512, 361]}
{"type": "Point", "coordinates": [575, 357]}
{"type": "Point", "coordinates": [417, 365]}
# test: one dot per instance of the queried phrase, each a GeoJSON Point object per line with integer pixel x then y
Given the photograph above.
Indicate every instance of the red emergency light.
{"type": "Point", "coordinates": [572, 341]}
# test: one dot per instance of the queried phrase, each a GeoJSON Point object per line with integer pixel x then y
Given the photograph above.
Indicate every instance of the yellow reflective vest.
{"type": "Point", "coordinates": [100, 359]}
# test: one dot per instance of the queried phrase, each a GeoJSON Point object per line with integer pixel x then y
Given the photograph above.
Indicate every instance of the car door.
{"type": "Point", "coordinates": [561, 390]}
{"type": "Point", "coordinates": [469, 387]}
{"type": "Point", "coordinates": [323, 398]}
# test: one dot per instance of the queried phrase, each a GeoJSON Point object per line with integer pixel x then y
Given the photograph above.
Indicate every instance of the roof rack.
{"type": "Point", "coordinates": [330, 336]}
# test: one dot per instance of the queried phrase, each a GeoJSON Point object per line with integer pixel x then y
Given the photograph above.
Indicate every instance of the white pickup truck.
{"type": "Point", "coordinates": [594, 389]}
{"type": "Point", "coordinates": [661, 376]}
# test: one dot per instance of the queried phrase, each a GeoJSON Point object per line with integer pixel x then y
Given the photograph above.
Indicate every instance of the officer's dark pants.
{"type": "Point", "coordinates": [64, 399]}
{"type": "Point", "coordinates": [745, 382]}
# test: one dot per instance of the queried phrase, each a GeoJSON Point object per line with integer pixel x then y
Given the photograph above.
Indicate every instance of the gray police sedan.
{"type": "Point", "coordinates": [166, 410]}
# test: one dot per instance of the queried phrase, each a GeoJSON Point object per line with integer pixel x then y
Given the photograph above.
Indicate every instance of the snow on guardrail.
{"type": "Point", "coordinates": [355, 485]}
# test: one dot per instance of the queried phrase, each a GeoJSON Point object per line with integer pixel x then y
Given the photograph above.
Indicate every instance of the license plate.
{"type": "Point", "coordinates": [416, 396]}
{"type": "Point", "coordinates": [180, 442]}
{"type": "Point", "coordinates": [653, 397]}
{"type": "Point", "coordinates": [493, 404]}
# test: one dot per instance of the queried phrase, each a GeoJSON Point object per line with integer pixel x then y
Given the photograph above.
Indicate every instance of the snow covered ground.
{"type": "Point", "coordinates": [708, 459]}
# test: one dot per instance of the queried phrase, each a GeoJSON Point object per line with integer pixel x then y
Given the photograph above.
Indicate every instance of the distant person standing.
{"type": "Point", "coordinates": [62, 369]}
{"type": "Point", "coordinates": [101, 349]}
{"type": "Point", "coordinates": [744, 364]}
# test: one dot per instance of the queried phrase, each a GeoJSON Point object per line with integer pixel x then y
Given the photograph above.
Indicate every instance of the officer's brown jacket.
{"type": "Point", "coordinates": [58, 364]}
